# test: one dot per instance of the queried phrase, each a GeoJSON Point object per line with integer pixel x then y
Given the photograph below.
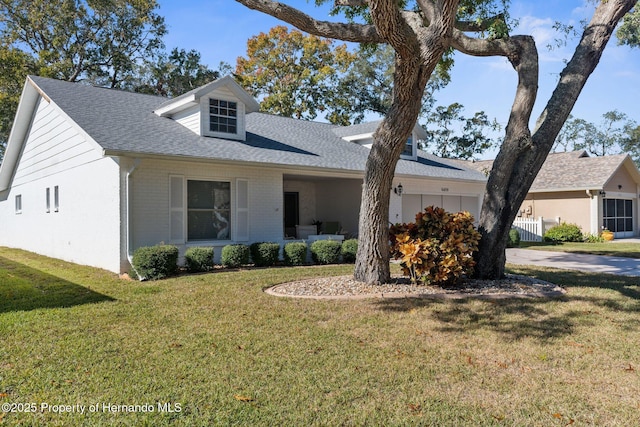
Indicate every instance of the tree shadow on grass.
{"type": "Point", "coordinates": [536, 318]}
{"type": "Point", "coordinates": [627, 287]}
{"type": "Point", "coordinates": [512, 318]}
{"type": "Point", "coordinates": [23, 288]}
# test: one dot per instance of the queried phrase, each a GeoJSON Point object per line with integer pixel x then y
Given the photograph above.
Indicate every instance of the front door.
{"type": "Point", "coordinates": [291, 213]}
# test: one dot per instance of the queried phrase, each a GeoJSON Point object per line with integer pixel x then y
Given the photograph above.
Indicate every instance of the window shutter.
{"type": "Point", "coordinates": [242, 210]}
{"type": "Point", "coordinates": [176, 207]}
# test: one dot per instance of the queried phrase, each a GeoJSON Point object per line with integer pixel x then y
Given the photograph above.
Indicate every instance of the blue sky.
{"type": "Point", "coordinates": [219, 30]}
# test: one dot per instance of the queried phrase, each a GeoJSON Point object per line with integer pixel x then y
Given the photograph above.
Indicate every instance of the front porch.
{"type": "Point", "coordinates": [334, 202]}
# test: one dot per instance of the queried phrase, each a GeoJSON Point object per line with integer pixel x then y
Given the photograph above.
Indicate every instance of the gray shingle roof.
{"type": "Point", "coordinates": [123, 123]}
{"type": "Point", "coordinates": [570, 170]}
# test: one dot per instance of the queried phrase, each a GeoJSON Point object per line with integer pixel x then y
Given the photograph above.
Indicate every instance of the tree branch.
{"type": "Point", "coordinates": [358, 33]}
{"type": "Point", "coordinates": [475, 26]}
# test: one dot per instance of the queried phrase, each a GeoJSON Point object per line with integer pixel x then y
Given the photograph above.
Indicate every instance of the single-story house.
{"type": "Point", "coordinates": [592, 192]}
{"type": "Point", "coordinates": [90, 174]}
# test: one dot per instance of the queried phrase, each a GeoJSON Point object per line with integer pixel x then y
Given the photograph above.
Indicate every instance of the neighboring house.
{"type": "Point", "coordinates": [592, 192]}
{"type": "Point", "coordinates": [90, 174]}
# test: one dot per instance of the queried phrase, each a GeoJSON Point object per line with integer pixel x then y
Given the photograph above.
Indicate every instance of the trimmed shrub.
{"type": "Point", "coordinates": [234, 255]}
{"type": "Point", "coordinates": [564, 233]}
{"type": "Point", "coordinates": [155, 262]}
{"type": "Point", "coordinates": [514, 238]}
{"type": "Point", "coordinates": [326, 251]}
{"type": "Point", "coordinates": [593, 238]}
{"type": "Point", "coordinates": [199, 259]}
{"type": "Point", "coordinates": [264, 254]}
{"type": "Point", "coordinates": [295, 253]}
{"type": "Point", "coordinates": [438, 247]}
{"type": "Point", "coordinates": [349, 250]}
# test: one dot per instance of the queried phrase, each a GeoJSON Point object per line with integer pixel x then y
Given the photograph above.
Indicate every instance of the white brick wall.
{"type": "Point", "coordinates": [151, 213]}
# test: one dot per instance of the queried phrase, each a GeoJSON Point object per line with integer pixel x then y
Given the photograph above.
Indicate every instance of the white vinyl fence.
{"type": "Point", "coordinates": [532, 229]}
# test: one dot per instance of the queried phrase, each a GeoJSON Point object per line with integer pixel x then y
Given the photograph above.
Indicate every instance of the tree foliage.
{"type": "Point", "coordinates": [173, 74]}
{"type": "Point", "coordinates": [367, 86]}
{"type": "Point", "coordinates": [615, 134]}
{"type": "Point", "coordinates": [15, 64]}
{"type": "Point", "coordinates": [629, 31]}
{"type": "Point", "coordinates": [100, 40]}
{"type": "Point", "coordinates": [295, 75]}
{"type": "Point", "coordinates": [451, 134]}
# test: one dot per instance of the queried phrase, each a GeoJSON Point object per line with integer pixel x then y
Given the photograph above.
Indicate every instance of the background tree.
{"type": "Point", "coordinates": [295, 75]}
{"type": "Point", "coordinates": [100, 42]}
{"type": "Point", "coordinates": [420, 35]}
{"type": "Point", "coordinates": [450, 134]}
{"type": "Point", "coordinates": [173, 74]}
{"type": "Point", "coordinates": [367, 86]}
{"type": "Point", "coordinates": [616, 134]}
{"type": "Point", "coordinates": [13, 63]}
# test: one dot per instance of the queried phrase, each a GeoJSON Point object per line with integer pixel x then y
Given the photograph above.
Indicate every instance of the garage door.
{"type": "Point", "coordinates": [617, 216]}
{"type": "Point", "coordinates": [414, 203]}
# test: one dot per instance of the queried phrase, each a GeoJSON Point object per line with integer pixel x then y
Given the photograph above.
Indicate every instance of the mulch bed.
{"type": "Point", "coordinates": [345, 287]}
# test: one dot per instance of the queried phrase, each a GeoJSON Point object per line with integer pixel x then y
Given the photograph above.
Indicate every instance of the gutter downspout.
{"type": "Point", "coordinates": [136, 163]}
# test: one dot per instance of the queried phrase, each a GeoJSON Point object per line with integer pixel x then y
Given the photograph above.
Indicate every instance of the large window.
{"type": "Point", "coordinates": [208, 210]}
{"type": "Point", "coordinates": [618, 215]}
{"type": "Point", "coordinates": [223, 116]}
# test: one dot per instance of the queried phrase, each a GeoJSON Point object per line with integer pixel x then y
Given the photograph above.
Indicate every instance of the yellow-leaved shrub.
{"type": "Point", "coordinates": [437, 248]}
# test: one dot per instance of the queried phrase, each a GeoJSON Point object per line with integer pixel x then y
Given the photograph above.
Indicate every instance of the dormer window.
{"type": "Point", "coordinates": [409, 152]}
{"type": "Point", "coordinates": [408, 147]}
{"type": "Point", "coordinates": [223, 116]}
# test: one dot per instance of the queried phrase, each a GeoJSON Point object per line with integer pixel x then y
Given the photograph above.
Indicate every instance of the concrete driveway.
{"type": "Point", "coordinates": [580, 262]}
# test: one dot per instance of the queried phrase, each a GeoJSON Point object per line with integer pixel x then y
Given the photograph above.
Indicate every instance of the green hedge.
{"type": "Point", "coordinates": [295, 253]}
{"type": "Point", "coordinates": [514, 238]}
{"type": "Point", "coordinates": [264, 254]}
{"type": "Point", "coordinates": [564, 233]}
{"type": "Point", "coordinates": [349, 250]}
{"type": "Point", "coordinates": [199, 259]}
{"type": "Point", "coordinates": [326, 251]}
{"type": "Point", "coordinates": [235, 255]}
{"type": "Point", "coordinates": [155, 262]}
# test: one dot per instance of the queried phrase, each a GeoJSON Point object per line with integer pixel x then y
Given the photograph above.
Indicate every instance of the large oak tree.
{"type": "Point", "coordinates": [420, 35]}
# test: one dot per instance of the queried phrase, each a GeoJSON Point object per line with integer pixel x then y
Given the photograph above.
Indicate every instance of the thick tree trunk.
{"type": "Point", "coordinates": [372, 260]}
{"type": "Point", "coordinates": [522, 156]}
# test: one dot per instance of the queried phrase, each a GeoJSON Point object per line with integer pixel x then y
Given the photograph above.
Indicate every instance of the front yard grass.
{"type": "Point", "coordinates": [225, 353]}
{"type": "Point", "coordinates": [627, 250]}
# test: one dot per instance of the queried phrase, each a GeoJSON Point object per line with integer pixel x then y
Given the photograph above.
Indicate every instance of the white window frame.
{"type": "Point", "coordinates": [228, 108]}
{"type": "Point", "coordinates": [48, 200]}
{"type": "Point", "coordinates": [186, 209]}
{"type": "Point", "coordinates": [205, 126]}
{"type": "Point", "coordinates": [413, 155]}
{"type": "Point", "coordinates": [56, 199]}
{"type": "Point", "coordinates": [18, 200]}
{"type": "Point", "coordinates": [239, 210]}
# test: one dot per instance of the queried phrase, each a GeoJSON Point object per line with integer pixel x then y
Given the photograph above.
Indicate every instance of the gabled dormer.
{"type": "Point", "coordinates": [216, 109]}
{"type": "Point", "coordinates": [362, 134]}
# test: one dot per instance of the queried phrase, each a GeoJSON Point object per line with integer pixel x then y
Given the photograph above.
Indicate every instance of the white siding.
{"type": "Point", "coordinates": [53, 145]}
{"type": "Point", "coordinates": [189, 118]}
{"type": "Point", "coordinates": [196, 118]}
{"type": "Point", "coordinates": [86, 228]}
{"type": "Point", "coordinates": [152, 212]}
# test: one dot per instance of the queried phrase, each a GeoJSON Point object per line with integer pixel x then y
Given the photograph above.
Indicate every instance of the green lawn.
{"type": "Point", "coordinates": [220, 350]}
{"type": "Point", "coordinates": [629, 250]}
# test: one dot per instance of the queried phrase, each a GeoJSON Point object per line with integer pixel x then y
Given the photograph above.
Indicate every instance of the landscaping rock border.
{"type": "Point", "coordinates": [345, 287]}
